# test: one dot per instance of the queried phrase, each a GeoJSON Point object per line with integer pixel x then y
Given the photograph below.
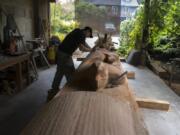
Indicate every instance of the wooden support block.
{"type": "Point", "coordinates": [80, 59]}
{"type": "Point", "coordinates": [157, 68]}
{"type": "Point", "coordinates": [122, 59]}
{"type": "Point", "coordinates": [153, 104]}
{"type": "Point", "coordinates": [131, 75]}
{"type": "Point", "coordinates": [176, 88]}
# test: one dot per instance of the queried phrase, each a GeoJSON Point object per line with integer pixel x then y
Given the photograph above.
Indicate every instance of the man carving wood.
{"type": "Point", "coordinates": [65, 65]}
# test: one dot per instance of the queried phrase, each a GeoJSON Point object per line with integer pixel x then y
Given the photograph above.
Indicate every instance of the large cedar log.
{"type": "Point", "coordinates": [83, 113]}
{"type": "Point", "coordinates": [104, 110]}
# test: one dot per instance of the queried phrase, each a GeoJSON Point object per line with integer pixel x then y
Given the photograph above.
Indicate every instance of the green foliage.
{"type": "Point", "coordinates": [164, 27]}
{"type": "Point", "coordinates": [164, 31]}
{"type": "Point", "coordinates": [62, 20]}
{"type": "Point", "coordinates": [131, 33]}
{"type": "Point", "coordinates": [125, 41]}
{"type": "Point", "coordinates": [136, 33]}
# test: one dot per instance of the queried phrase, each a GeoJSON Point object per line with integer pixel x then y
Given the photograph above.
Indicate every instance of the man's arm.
{"type": "Point", "coordinates": [85, 47]}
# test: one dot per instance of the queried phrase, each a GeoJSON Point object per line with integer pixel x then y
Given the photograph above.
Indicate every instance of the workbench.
{"type": "Point", "coordinates": [11, 61]}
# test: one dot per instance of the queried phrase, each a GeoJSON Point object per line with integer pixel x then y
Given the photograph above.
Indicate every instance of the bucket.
{"type": "Point", "coordinates": [51, 54]}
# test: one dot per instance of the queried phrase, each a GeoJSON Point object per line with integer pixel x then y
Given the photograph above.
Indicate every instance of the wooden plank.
{"type": "Point", "coordinates": [131, 75]}
{"type": "Point", "coordinates": [19, 80]}
{"type": "Point", "coordinates": [28, 71]}
{"type": "Point", "coordinates": [153, 104]}
{"type": "Point", "coordinates": [176, 87]}
{"type": "Point", "coordinates": [156, 67]}
{"type": "Point", "coordinates": [9, 61]}
{"type": "Point", "coordinates": [122, 59]}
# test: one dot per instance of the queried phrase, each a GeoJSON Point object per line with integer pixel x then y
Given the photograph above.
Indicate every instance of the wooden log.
{"type": "Point", "coordinates": [74, 111]}
{"type": "Point", "coordinates": [120, 92]}
{"type": "Point", "coordinates": [131, 75]}
{"type": "Point", "coordinates": [83, 113]}
{"type": "Point", "coordinates": [153, 104]}
{"type": "Point", "coordinates": [100, 70]}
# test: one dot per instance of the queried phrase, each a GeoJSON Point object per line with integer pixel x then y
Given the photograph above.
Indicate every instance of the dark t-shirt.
{"type": "Point", "coordinates": [72, 41]}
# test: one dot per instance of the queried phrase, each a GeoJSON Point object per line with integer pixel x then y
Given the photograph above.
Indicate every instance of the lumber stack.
{"type": "Point", "coordinates": [97, 101]}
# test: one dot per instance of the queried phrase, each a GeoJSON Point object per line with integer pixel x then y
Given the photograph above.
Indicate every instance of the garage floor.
{"type": "Point", "coordinates": [148, 85]}
{"type": "Point", "coordinates": [17, 111]}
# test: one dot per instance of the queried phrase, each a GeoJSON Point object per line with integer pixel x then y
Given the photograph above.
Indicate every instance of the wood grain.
{"type": "Point", "coordinates": [83, 113]}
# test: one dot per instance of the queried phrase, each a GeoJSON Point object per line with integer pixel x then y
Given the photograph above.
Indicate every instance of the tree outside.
{"type": "Point", "coordinates": [163, 37]}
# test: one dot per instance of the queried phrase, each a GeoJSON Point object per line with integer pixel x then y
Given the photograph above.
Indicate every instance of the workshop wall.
{"type": "Point", "coordinates": [23, 14]}
{"type": "Point", "coordinates": [27, 14]}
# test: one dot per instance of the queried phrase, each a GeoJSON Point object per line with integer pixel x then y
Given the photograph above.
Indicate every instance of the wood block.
{"type": "Point", "coordinates": [131, 75]}
{"type": "Point", "coordinates": [153, 104]}
{"type": "Point", "coordinates": [156, 67]}
{"type": "Point", "coordinates": [80, 59]}
{"type": "Point", "coordinates": [176, 88]}
{"type": "Point", "coordinates": [123, 59]}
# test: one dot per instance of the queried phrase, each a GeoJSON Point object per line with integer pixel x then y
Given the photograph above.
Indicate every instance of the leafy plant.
{"type": "Point", "coordinates": [163, 25]}
{"type": "Point", "coordinates": [62, 20]}
{"type": "Point", "coordinates": [131, 33]}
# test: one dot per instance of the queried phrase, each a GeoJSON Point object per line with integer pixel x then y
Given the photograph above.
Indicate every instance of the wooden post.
{"type": "Point", "coordinates": [19, 76]}
{"type": "Point", "coordinates": [27, 69]}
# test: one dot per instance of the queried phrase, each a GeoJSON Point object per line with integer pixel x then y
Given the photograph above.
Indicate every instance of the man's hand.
{"type": "Point", "coordinates": [85, 48]}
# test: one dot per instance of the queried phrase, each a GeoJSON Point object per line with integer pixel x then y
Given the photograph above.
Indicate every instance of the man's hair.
{"type": "Point", "coordinates": [87, 28]}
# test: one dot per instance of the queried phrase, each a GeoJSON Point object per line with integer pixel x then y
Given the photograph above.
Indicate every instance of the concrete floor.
{"type": "Point", "coordinates": [148, 85]}
{"type": "Point", "coordinates": [16, 111]}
